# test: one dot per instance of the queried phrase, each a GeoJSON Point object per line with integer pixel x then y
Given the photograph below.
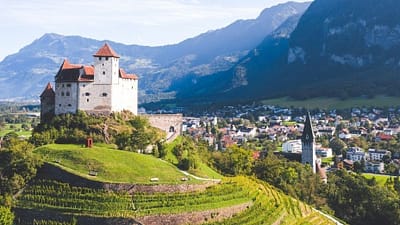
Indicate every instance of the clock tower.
{"type": "Point", "coordinates": [308, 144]}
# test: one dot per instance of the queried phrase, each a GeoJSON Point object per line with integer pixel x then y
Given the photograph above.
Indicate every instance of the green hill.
{"type": "Point", "coordinates": [111, 165]}
{"type": "Point", "coordinates": [235, 200]}
{"type": "Point", "coordinates": [262, 203]}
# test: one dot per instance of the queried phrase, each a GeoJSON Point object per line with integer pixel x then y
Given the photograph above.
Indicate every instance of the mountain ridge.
{"type": "Point", "coordinates": [338, 48]}
{"type": "Point", "coordinates": [157, 67]}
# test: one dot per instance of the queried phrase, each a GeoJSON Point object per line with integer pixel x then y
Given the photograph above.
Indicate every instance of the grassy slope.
{"type": "Point", "coordinates": [380, 178]}
{"type": "Point", "coordinates": [21, 132]}
{"type": "Point", "coordinates": [112, 165]}
{"type": "Point", "coordinates": [202, 171]}
{"type": "Point", "coordinates": [334, 103]}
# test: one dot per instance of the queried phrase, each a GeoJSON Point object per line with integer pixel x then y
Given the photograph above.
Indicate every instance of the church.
{"type": "Point", "coordinates": [100, 88]}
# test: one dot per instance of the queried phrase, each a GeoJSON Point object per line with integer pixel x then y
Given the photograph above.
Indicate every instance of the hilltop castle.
{"type": "Point", "coordinates": [101, 88]}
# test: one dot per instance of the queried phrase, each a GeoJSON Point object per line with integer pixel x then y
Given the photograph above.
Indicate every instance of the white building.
{"type": "Point", "coordinates": [324, 152]}
{"type": "Point", "coordinates": [377, 155]}
{"type": "Point", "coordinates": [374, 167]}
{"type": "Point", "coordinates": [356, 154]}
{"type": "Point", "coordinates": [292, 146]}
{"type": "Point", "coordinates": [101, 88]}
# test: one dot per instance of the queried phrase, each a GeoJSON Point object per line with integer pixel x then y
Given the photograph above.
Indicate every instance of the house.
{"type": "Point", "coordinates": [247, 131]}
{"type": "Point", "coordinates": [377, 155]}
{"type": "Point", "coordinates": [292, 146]}
{"type": "Point", "coordinates": [323, 152]}
{"type": "Point", "coordinates": [100, 88]}
{"type": "Point", "coordinates": [356, 154]}
{"type": "Point", "coordinates": [374, 167]}
{"type": "Point", "coordinates": [326, 131]}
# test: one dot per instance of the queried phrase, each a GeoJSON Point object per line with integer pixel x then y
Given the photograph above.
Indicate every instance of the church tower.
{"type": "Point", "coordinates": [308, 144]}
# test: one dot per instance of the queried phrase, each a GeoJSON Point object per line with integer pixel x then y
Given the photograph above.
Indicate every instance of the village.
{"type": "Point", "coordinates": [359, 139]}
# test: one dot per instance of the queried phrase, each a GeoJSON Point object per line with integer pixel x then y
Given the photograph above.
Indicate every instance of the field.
{"type": "Point", "coordinates": [266, 205]}
{"type": "Point", "coordinates": [110, 164]}
{"type": "Point", "coordinates": [380, 178]}
{"type": "Point", "coordinates": [15, 128]}
{"type": "Point", "coordinates": [335, 103]}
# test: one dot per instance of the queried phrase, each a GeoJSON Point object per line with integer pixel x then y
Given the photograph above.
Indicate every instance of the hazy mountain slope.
{"type": "Point", "coordinates": [158, 67]}
{"type": "Point", "coordinates": [338, 48]}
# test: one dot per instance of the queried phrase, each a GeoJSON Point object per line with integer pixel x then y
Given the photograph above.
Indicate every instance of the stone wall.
{"type": "Point", "coordinates": [169, 123]}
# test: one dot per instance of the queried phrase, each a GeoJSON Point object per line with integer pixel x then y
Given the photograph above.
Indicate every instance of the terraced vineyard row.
{"type": "Point", "coordinates": [273, 207]}
{"type": "Point", "coordinates": [49, 194]}
{"type": "Point", "coordinates": [269, 206]}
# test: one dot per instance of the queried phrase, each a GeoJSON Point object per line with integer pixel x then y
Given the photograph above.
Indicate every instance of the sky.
{"type": "Point", "coordinates": [142, 22]}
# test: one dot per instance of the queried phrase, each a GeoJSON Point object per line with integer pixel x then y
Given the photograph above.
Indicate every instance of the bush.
{"type": "Point", "coordinates": [6, 216]}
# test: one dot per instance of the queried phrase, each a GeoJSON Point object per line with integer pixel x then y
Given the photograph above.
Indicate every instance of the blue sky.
{"type": "Point", "coordinates": [143, 22]}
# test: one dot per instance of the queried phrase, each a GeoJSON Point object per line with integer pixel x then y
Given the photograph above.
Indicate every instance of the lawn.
{"type": "Point", "coordinates": [335, 103]}
{"type": "Point", "coordinates": [111, 165]}
{"type": "Point", "coordinates": [380, 178]}
{"type": "Point", "coordinates": [15, 128]}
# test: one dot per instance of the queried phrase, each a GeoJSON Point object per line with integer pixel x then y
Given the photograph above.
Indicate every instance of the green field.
{"type": "Point", "coordinates": [380, 178]}
{"type": "Point", "coordinates": [111, 165]}
{"type": "Point", "coordinates": [335, 103]}
{"type": "Point", "coordinates": [15, 128]}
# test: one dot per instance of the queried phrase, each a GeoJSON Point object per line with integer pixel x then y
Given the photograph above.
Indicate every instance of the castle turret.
{"type": "Point", "coordinates": [308, 144]}
{"type": "Point", "coordinates": [47, 103]}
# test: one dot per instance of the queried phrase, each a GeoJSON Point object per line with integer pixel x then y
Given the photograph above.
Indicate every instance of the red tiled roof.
{"type": "Point", "coordinates": [105, 51]}
{"type": "Point", "coordinates": [89, 70]}
{"type": "Point", "coordinates": [48, 91]}
{"type": "Point", "coordinates": [66, 65]}
{"type": "Point", "coordinates": [124, 75]}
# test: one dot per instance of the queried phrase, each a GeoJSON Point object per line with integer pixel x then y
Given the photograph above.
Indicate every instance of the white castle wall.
{"type": "Point", "coordinates": [66, 99]}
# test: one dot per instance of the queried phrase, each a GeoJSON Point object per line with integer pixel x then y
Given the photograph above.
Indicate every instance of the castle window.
{"type": "Point", "coordinates": [106, 58]}
{"type": "Point", "coordinates": [83, 85]}
{"type": "Point", "coordinates": [87, 100]}
{"type": "Point", "coordinates": [104, 73]}
{"type": "Point", "coordinates": [63, 85]}
{"type": "Point", "coordinates": [67, 94]}
{"type": "Point", "coordinates": [100, 58]}
{"type": "Point", "coordinates": [62, 93]}
{"type": "Point", "coordinates": [87, 94]}
{"type": "Point", "coordinates": [69, 105]}
{"type": "Point", "coordinates": [104, 94]}
{"type": "Point", "coordinates": [59, 105]}
{"type": "Point", "coordinates": [68, 85]}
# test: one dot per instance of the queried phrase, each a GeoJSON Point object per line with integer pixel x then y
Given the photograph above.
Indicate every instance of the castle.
{"type": "Point", "coordinates": [101, 88]}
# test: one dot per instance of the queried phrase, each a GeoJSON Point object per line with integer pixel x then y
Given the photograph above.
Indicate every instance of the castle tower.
{"type": "Point", "coordinates": [47, 103]}
{"type": "Point", "coordinates": [106, 66]}
{"type": "Point", "coordinates": [308, 144]}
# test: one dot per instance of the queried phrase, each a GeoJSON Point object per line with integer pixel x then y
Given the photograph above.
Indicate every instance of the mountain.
{"type": "Point", "coordinates": [157, 67]}
{"type": "Point", "coordinates": [337, 48]}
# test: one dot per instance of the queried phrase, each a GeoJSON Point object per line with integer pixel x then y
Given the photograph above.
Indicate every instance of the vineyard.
{"type": "Point", "coordinates": [268, 206]}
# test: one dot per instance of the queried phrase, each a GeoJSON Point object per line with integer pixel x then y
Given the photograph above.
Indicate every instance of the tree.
{"type": "Point", "coordinates": [18, 165]}
{"type": "Point", "coordinates": [337, 146]}
{"type": "Point", "coordinates": [234, 161]}
{"type": "Point", "coordinates": [6, 216]}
